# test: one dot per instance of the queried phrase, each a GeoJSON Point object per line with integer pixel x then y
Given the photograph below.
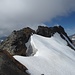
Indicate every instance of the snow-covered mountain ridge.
{"type": "Point", "coordinates": [15, 42]}
{"type": "Point", "coordinates": [50, 56]}
{"type": "Point", "coordinates": [45, 51]}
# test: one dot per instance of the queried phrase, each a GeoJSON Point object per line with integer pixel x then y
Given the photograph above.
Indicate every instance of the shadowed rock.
{"type": "Point", "coordinates": [9, 66]}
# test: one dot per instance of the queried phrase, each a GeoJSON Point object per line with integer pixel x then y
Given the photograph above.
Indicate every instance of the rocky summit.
{"type": "Point", "coordinates": [15, 43]}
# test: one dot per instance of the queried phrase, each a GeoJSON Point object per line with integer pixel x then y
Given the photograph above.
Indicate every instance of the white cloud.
{"type": "Point", "coordinates": [15, 14]}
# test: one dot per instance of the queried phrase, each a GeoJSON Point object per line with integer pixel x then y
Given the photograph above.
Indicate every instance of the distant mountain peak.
{"type": "Point", "coordinates": [72, 37]}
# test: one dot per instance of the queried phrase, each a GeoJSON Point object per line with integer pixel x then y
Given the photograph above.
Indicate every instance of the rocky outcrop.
{"type": "Point", "coordinates": [9, 66]}
{"type": "Point", "coordinates": [15, 43]}
{"type": "Point", "coordinates": [50, 31]}
{"type": "Point", "coordinates": [45, 31]}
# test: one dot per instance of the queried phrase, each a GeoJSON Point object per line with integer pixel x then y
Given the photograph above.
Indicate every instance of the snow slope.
{"type": "Point", "coordinates": [51, 56]}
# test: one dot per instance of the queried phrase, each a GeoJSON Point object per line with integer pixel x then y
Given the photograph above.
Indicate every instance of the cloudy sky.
{"type": "Point", "coordinates": [16, 14]}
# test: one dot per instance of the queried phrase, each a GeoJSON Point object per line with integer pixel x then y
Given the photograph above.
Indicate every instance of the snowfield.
{"type": "Point", "coordinates": [50, 56]}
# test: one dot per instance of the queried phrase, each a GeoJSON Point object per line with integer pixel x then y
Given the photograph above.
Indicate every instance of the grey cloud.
{"type": "Point", "coordinates": [16, 14]}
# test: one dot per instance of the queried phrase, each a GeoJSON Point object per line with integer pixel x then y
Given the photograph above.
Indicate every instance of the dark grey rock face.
{"type": "Point", "coordinates": [9, 66]}
{"type": "Point", "coordinates": [49, 31]}
{"type": "Point", "coordinates": [45, 31]}
{"type": "Point", "coordinates": [15, 43]}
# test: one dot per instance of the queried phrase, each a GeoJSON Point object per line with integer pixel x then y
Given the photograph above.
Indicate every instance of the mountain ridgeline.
{"type": "Point", "coordinates": [15, 43]}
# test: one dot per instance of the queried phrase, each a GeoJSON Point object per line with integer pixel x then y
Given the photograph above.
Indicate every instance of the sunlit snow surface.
{"type": "Point", "coordinates": [53, 56]}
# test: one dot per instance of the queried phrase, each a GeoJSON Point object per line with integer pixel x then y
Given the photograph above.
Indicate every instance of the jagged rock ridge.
{"type": "Point", "coordinates": [15, 43]}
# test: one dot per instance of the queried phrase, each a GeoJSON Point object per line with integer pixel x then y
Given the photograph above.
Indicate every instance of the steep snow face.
{"type": "Point", "coordinates": [53, 56]}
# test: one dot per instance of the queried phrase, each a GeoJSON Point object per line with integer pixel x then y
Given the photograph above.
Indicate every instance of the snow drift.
{"type": "Point", "coordinates": [49, 56]}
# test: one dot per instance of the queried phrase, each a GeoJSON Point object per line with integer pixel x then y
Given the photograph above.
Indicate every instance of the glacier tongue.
{"type": "Point", "coordinates": [53, 56]}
